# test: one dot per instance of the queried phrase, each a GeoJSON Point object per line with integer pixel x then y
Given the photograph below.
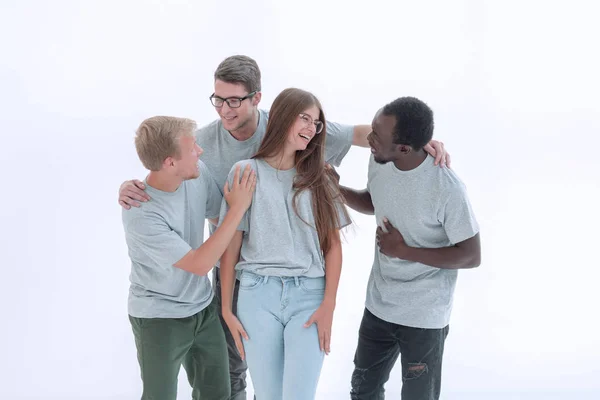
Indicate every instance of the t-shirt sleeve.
{"type": "Point", "coordinates": [344, 216]}
{"type": "Point", "coordinates": [150, 235]}
{"type": "Point", "coordinates": [244, 225]}
{"type": "Point", "coordinates": [213, 194]}
{"type": "Point", "coordinates": [338, 142]}
{"type": "Point", "coordinates": [456, 215]}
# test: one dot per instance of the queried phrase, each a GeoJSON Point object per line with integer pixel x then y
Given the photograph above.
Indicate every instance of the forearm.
{"type": "Point", "coordinates": [453, 257]}
{"type": "Point", "coordinates": [227, 275]}
{"type": "Point", "coordinates": [359, 137]}
{"type": "Point", "coordinates": [333, 270]}
{"type": "Point", "coordinates": [358, 200]}
{"type": "Point", "coordinates": [201, 260]}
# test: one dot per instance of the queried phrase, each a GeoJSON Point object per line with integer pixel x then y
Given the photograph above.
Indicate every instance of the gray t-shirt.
{"type": "Point", "coordinates": [430, 208]}
{"type": "Point", "coordinates": [158, 234]}
{"type": "Point", "coordinates": [221, 150]}
{"type": "Point", "coordinates": [276, 241]}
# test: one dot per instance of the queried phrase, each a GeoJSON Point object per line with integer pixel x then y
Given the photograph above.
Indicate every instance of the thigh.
{"type": "Point", "coordinates": [207, 362]}
{"type": "Point", "coordinates": [258, 306]}
{"type": "Point", "coordinates": [162, 344]}
{"type": "Point", "coordinates": [376, 354]}
{"type": "Point", "coordinates": [303, 358]}
{"type": "Point", "coordinates": [422, 354]}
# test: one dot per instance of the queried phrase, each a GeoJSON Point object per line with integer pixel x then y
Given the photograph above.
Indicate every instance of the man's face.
{"type": "Point", "coordinates": [381, 139]}
{"type": "Point", "coordinates": [234, 118]}
{"type": "Point", "coordinates": [189, 154]}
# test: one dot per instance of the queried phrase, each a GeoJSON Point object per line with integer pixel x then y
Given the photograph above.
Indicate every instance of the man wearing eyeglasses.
{"type": "Point", "coordinates": [236, 136]}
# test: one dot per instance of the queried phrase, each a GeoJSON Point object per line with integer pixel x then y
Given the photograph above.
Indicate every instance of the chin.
{"type": "Point", "coordinates": [380, 160]}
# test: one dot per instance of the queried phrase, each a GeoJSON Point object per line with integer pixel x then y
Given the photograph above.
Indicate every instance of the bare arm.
{"type": "Point", "coordinates": [435, 148]}
{"type": "Point", "coordinates": [358, 200]}
{"type": "Point", "coordinates": [201, 260]}
{"type": "Point", "coordinates": [227, 271]}
{"type": "Point", "coordinates": [360, 135]}
{"type": "Point", "coordinates": [333, 270]}
{"type": "Point", "coordinates": [466, 254]}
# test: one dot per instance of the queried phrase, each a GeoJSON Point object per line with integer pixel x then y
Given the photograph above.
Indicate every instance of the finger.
{"type": "Point", "coordinates": [388, 225]}
{"type": "Point", "coordinates": [129, 201]}
{"type": "Point", "coordinates": [134, 194]}
{"type": "Point", "coordinates": [379, 231]}
{"type": "Point", "coordinates": [448, 160]}
{"type": "Point", "coordinates": [124, 205]}
{"type": "Point", "coordinates": [429, 149]}
{"type": "Point", "coordinates": [322, 340]}
{"type": "Point", "coordinates": [327, 343]}
{"type": "Point", "coordinates": [138, 187]}
{"type": "Point", "coordinates": [239, 346]}
{"type": "Point", "coordinates": [442, 154]}
{"type": "Point", "coordinates": [243, 332]}
{"type": "Point", "coordinates": [236, 176]}
{"type": "Point", "coordinates": [310, 321]}
{"type": "Point", "coordinates": [226, 188]}
{"type": "Point", "coordinates": [250, 180]}
{"type": "Point", "coordinates": [139, 184]}
{"type": "Point", "coordinates": [253, 184]}
{"type": "Point", "coordinates": [246, 176]}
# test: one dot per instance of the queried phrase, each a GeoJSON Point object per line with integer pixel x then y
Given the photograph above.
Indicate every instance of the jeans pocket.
{"type": "Point", "coordinates": [250, 281]}
{"type": "Point", "coordinates": [313, 285]}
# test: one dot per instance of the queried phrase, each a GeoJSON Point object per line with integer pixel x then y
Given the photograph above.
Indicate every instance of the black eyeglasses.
{"type": "Point", "coordinates": [232, 102]}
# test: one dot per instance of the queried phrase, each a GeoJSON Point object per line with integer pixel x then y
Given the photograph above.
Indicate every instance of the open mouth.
{"type": "Point", "coordinates": [229, 119]}
{"type": "Point", "coordinates": [304, 137]}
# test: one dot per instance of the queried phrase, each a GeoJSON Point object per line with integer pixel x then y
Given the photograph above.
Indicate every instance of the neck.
{"type": "Point", "coordinates": [283, 161]}
{"type": "Point", "coordinates": [411, 161]}
{"type": "Point", "coordinates": [161, 181]}
{"type": "Point", "coordinates": [246, 131]}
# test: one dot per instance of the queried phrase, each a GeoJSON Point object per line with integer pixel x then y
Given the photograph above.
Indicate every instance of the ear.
{"type": "Point", "coordinates": [256, 99]}
{"type": "Point", "coordinates": [169, 162]}
{"type": "Point", "coordinates": [404, 149]}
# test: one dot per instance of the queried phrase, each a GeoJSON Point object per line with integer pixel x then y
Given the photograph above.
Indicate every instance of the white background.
{"type": "Point", "coordinates": [514, 87]}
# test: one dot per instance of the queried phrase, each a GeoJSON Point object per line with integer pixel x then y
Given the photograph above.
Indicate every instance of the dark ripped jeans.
{"type": "Point", "coordinates": [380, 343]}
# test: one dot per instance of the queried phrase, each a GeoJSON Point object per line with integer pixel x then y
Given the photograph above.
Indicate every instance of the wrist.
{"type": "Point", "coordinates": [328, 302]}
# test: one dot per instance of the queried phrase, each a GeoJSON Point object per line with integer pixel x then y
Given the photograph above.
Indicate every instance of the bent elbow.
{"type": "Point", "coordinates": [475, 261]}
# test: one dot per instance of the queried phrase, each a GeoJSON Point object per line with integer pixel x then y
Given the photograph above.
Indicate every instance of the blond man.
{"type": "Point", "coordinates": [174, 319]}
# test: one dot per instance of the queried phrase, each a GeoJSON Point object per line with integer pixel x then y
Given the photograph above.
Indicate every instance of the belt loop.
{"type": "Point", "coordinates": [265, 279]}
{"type": "Point", "coordinates": [297, 281]}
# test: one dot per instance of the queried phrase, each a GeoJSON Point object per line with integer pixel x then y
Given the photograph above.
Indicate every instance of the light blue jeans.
{"type": "Point", "coordinates": [283, 357]}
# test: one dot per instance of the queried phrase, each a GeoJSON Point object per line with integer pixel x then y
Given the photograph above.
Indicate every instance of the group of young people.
{"type": "Point", "coordinates": [266, 183]}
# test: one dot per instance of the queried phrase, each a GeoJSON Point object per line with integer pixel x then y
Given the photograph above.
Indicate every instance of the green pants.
{"type": "Point", "coordinates": [197, 342]}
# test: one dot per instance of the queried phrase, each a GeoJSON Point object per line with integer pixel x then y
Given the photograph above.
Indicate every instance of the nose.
{"type": "Point", "coordinates": [199, 150]}
{"type": "Point", "coordinates": [224, 108]}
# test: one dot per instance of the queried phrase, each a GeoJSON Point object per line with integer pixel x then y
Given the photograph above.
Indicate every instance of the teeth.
{"type": "Point", "coordinates": [304, 137]}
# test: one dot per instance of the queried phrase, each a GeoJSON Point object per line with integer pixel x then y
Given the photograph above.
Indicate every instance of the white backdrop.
{"type": "Point", "coordinates": [514, 87]}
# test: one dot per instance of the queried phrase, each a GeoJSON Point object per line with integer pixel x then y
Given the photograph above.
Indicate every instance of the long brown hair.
{"type": "Point", "coordinates": [310, 163]}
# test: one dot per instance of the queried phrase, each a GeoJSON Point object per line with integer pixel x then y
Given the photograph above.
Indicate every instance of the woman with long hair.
{"type": "Point", "coordinates": [287, 254]}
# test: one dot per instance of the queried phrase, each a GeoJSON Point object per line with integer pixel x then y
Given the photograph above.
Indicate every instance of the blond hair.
{"type": "Point", "coordinates": [158, 138]}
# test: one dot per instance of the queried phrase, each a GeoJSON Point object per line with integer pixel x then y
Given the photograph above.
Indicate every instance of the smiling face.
{"type": "Point", "coordinates": [304, 129]}
{"type": "Point", "coordinates": [186, 164]}
{"type": "Point", "coordinates": [381, 139]}
{"type": "Point", "coordinates": [235, 118]}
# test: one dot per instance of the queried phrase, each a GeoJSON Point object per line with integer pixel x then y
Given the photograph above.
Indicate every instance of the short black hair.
{"type": "Point", "coordinates": [414, 121]}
